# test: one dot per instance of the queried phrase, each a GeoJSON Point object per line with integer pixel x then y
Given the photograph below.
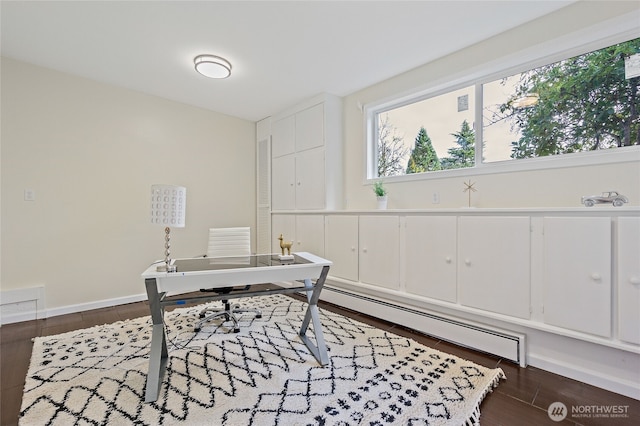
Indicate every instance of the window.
{"type": "Point", "coordinates": [589, 102]}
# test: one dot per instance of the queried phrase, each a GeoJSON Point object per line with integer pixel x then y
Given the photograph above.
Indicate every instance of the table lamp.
{"type": "Point", "coordinates": [168, 205]}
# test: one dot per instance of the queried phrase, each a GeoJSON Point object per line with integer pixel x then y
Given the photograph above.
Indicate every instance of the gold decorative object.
{"type": "Point", "coordinates": [469, 188]}
{"type": "Point", "coordinates": [284, 245]}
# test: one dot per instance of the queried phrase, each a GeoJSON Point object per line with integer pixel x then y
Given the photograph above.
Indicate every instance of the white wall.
{"type": "Point", "coordinates": [557, 187]}
{"type": "Point", "coordinates": [91, 152]}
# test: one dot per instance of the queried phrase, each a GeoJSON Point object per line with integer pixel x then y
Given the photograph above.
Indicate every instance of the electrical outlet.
{"type": "Point", "coordinates": [435, 198]}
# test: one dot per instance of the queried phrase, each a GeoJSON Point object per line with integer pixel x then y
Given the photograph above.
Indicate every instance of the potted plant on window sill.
{"type": "Point", "coordinates": [381, 194]}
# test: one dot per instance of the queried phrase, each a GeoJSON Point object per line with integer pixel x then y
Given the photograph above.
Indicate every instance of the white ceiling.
{"type": "Point", "coordinates": [282, 52]}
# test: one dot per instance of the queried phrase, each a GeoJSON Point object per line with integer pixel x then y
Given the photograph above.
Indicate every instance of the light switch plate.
{"type": "Point", "coordinates": [29, 195]}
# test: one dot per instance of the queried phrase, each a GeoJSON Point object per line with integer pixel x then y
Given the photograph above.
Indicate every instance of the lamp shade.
{"type": "Point", "coordinates": [168, 205]}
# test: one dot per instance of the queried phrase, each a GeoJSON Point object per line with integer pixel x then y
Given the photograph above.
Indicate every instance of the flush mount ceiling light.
{"type": "Point", "coordinates": [212, 66]}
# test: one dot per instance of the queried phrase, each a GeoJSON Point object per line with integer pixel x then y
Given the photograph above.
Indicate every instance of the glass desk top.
{"type": "Point", "coordinates": [219, 263]}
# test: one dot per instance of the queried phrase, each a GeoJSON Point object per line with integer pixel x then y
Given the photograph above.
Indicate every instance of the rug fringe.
{"type": "Point", "coordinates": [474, 419]}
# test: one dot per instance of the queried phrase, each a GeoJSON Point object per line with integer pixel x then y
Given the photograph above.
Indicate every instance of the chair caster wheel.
{"type": "Point", "coordinates": [196, 329]}
{"type": "Point", "coordinates": [236, 330]}
{"type": "Point", "coordinates": [259, 316]}
{"type": "Point", "coordinates": [202, 315]}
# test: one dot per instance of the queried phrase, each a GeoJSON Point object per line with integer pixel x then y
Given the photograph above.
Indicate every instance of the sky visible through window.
{"type": "Point", "coordinates": [497, 136]}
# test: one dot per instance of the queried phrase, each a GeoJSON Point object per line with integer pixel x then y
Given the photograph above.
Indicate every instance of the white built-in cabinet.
{"type": "Point", "coordinates": [565, 279]}
{"type": "Point", "coordinates": [480, 262]}
{"type": "Point", "coordinates": [284, 225]}
{"type": "Point", "coordinates": [577, 273]}
{"type": "Point", "coordinates": [305, 171]}
{"type": "Point", "coordinates": [305, 231]}
{"type": "Point", "coordinates": [494, 264]}
{"type": "Point", "coordinates": [306, 165]}
{"type": "Point", "coordinates": [430, 256]}
{"type": "Point", "coordinates": [379, 243]}
{"type": "Point", "coordinates": [298, 181]}
{"type": "Point", "coordinates": [628, 279]}
{"type": "Point", "coordinates": [341, 245]}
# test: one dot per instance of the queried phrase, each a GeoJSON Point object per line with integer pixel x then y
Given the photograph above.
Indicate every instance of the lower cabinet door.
{"type": "Point", "coordinates": [285, 225]}
{"type": "Point", "coordinates": [342, 246]}
{"type": "Point", "coordinates": [379, 251]}
{"type": "Point", "coordinates": [494, 264]}
{"type": "Point", "coordinates": [310, 234]}
{"type": "Point", "coordinates": [577, 273]}
{"type": "Point", "coordinates": [628, 250]}
{"type": "Point", "coordinates": [430, 256]}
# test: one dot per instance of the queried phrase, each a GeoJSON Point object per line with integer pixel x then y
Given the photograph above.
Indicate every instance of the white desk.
{"type": "Point", "coordinates": [197, 273]}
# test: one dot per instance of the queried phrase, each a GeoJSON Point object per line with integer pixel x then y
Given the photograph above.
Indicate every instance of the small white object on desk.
{"type": "Point", "coordinates": [285, 257]}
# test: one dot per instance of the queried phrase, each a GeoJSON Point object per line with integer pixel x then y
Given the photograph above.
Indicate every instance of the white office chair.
{"type": "Point", "coordinates": [224, 242]}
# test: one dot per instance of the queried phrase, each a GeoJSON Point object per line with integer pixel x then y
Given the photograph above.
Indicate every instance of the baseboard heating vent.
{"type": "Point", "coordinates": [21, 304]}
{"type": "Point", "coordinates": [497, 342]}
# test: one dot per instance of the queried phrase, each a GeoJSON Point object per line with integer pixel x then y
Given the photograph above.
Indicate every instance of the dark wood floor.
{"type": "Point", "coordinates": [521, 400]}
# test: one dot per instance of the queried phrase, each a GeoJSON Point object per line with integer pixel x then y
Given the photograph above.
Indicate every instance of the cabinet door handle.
{"type": "Point", "coordinates": [596, 276]}
{"type": "Point", "coordinates": [353, 248]}
{"type": "Point", "coordinates": [364, 250]}
{"type": "Point", "coordinates": [467, 262]}
{"type": "Point", "coordinates": [447, 259]}
{"type": "Point", "coordinates": [634, 280]}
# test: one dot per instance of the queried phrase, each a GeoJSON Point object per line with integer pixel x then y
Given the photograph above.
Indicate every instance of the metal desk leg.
{"type": "Point", "coordinates": [319, 350]}
{"type": "Point", "coordinates": [158, 354]}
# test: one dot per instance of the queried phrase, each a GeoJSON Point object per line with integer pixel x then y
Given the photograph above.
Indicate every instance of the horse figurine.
{"type": "Point", "coordinates": [284, 245]}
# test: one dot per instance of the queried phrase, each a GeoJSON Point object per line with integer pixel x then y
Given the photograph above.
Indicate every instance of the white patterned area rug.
{"type": "Point", "coordinates": [262, 376]}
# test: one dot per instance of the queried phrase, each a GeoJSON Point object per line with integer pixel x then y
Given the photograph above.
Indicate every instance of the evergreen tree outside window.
{"type": "Point", "coordinates": [423, 157]}
{"type": "Point", "coordinates": [463, 154]}
{"type": "Point", "coordinates": [428, 124]}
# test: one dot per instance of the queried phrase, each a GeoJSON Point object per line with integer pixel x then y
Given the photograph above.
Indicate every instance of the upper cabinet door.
{"type": "Point", "coordinates": [312, 133]}
{"type": "Point", "coordinates": [577, 273]}
{"type": "Point", "coordinates": [283, 136]}
{"type": "Point", "coordinates": [628, 250]}
{"type": "Point", "coordinates": [309, 129]}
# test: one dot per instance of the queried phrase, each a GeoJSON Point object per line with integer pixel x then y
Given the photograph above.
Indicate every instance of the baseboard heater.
{"type": "Point", "coordinates": [22, 304]}
{"type": "Point", "coordinates": [497, 342]}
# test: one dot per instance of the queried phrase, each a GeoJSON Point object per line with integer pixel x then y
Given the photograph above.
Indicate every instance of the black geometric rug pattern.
{"type": "Point", "coordinates": [263, 375]}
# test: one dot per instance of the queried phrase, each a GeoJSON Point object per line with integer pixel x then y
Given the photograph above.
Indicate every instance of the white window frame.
{"type": "Point", "coordinates": [596, 37]}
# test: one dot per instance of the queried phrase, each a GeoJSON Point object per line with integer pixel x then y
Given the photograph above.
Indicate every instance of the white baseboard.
{"type": "Point", "coordinates": [28, 304]}
{"type": "Point", "coordinates": [628, 388]}
{"type": "Point", "coordinates": [71, 309]}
